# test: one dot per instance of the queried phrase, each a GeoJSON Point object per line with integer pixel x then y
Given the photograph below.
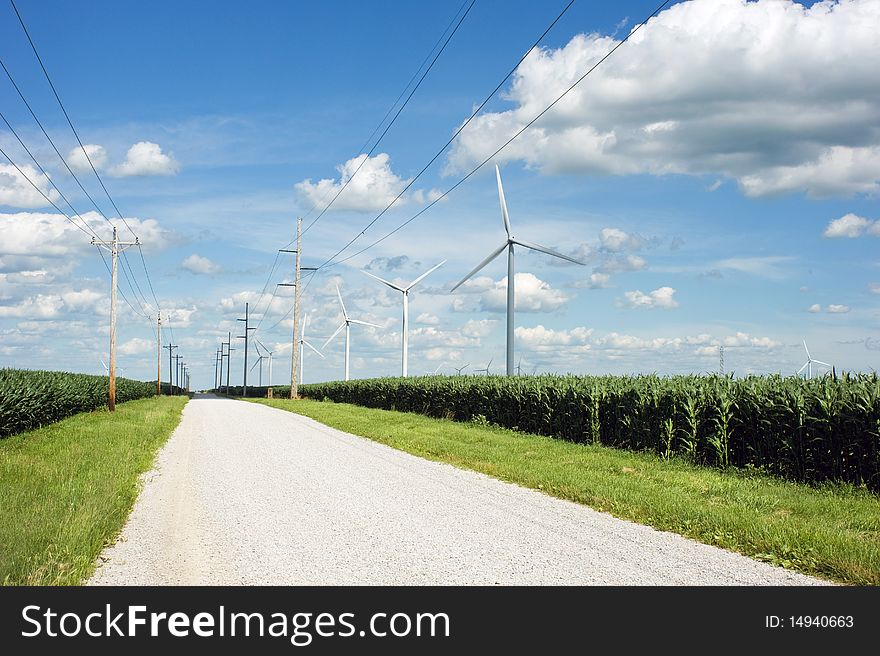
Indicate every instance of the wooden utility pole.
{"type": "Point", "coordinates": [177, 359]}
{"type": "Point", "coordinates": [158, 354]}
{"type": "Point", "coordinates": [114, 247]}
{"type": "Point", "coordinates": [294, 352]}
{"type": "Point", "coordinates": [245, 338]}
{"type": "Point", "coordinates": [170, 368]}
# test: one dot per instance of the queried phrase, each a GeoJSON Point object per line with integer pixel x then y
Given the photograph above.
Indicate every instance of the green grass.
{"type": "Point", "coordinates": [67, 489]}
{"type": "Point", "coordinates": [831, 531]}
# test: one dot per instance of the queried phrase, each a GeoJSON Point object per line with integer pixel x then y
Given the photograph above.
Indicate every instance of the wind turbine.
{"type": "Point", "coordinates": [404, 340]}
{"type": "Point", "coordinates": [462, 368]}
{"type": "Point", "coordinates": [302, 344]}
{"type": "Point", "coordinates": [808, 365]}
{"type": "Point", "coordinates": [259, 362]}
{"type": "Point", "coordinates": [346, 323]}
{"type": "Point", "coordinates": [270, 360]}
{"type": "Point", "coordinates": [486, 369]}
{"type": "Point", "coordinates": [509, 243]}
{"type": "Point", "coordinates": [434, 373]}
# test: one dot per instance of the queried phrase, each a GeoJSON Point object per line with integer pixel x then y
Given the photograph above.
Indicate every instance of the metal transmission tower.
{"type": "Point", "coordinates": [114, 247]}
{"type": "Point", "coordinates": [170, 368]}
{"type": "Point", "coordinates": [294, 360]}
{"type": "Point", "coordinates": [245, 338]}
{"type": "Point", "coordinates": [508, 245]}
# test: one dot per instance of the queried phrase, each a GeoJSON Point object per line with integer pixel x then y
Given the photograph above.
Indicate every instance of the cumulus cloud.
{"type": "Point", "coordinates": [532, 295]}
{"type": "Point", "coordinates": [200, 265]}
{"type": "Point", "coordinates": [662, 297]}
{"type": "Point", "coordinates": [372, 189]}
{"type": "Point", "coordinates": [595, 281]}
{"type": "Point", "coordinates": [41, 306]}
{"type": "Point", "coordinates": [838, 309]}
{"type": "Point", "coordinates": [851, 226]}
{"type": "Point", "coordinates": [478, 327]}
{"type": "Point", "coordinates": [137, 346]}
{"type": "Point", "coordinates": [615, 240]}
{"type": "Point", "coordinates": [387, 263]}
{"type": "Point", "coordinates": [751, 91]}
{"type": "Point", "coordinates": [16, 191]}
{"type": "Point", "coordinates": [146, 158]}
{"type": "Point", "coordinates": [428, 319]}
{"type": "Point", "coordinates": [78, 161]}
{"type": "Point", "coordinates": [540, 338]}
{"type": "Point", "coordinates": [815, 308]}
{"type": "Point", "coordinates": [874, 287]}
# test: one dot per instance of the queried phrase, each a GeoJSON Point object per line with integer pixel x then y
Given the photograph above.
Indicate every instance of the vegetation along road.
{"type": "Point", "coordinates": [249, 494]}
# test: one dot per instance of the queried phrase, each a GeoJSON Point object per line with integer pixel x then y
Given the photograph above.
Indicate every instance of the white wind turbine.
{"type": "Point", "coordinates": [270, 361]}
{"type": "Point", "coordinates": [302, 344]}
{"type": "Point", "coordinates": [808, 365]}
{"type": "Point", "coordinates": [509, 243]}
{"type": "Point", "coordinates": [405, 291]}
{"type": "Point", "coordinates": [346, 323]}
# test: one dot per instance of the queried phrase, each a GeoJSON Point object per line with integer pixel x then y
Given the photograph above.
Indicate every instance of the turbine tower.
{"type": "Point", "coordinates": [302, 344]}
{"type": "Point", "coordinates": [808, 365]}
{"type": "Point", "coordinates": [509, 243]}
{"type": "Point", "coordinates": [405, 291]}
{"type": "Point", "coordinates": [346, 323]}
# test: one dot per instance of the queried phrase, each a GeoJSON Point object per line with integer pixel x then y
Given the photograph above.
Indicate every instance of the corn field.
{"type": "Point", "coordinates": [825, 429]}
{"type": "Point", "coordinates": [30, 399]}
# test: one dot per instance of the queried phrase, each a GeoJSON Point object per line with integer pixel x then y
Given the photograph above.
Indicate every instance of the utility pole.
{"type": "Point", "coordinates": [176, 370]}
{"type": "Point", "coordinates": [158, 354]}
{"type": "Point", "coordinates": [294, 351]}
{"type": "Point", "coordinates": [114, 247]}
{"type": "Point", "coordinates": [170, 368]}
{"type": "Point", "coordinates": [229, 351]}
{"type": "Point", "coordinates": [245, 338]}
{"type": "Point", "coordinates": [216, 359]}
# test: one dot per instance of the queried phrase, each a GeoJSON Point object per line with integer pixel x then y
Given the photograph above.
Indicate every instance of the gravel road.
{"type": "Point", "coordinates": [247, 494]}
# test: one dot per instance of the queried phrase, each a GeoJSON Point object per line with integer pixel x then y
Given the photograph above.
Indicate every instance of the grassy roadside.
{"type": "Point", "coordinates": [66, 489]}
{"type": "Point", "coordinates": [833, 531]}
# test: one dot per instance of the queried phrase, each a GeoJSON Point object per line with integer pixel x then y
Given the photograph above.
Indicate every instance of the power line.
{"type": "Point", "coordinates": [330, 262]}
{"type": "Point", "coordinates": [72, 174]}
{"type": "Point", "coordinates": [91, 164]}
{"type": "Point", "coordinates": [400, 109]}
{"type": "Point", "coordinates": [453, 137]}
{"type": "Point", "coordinates": [394, 104]}
{"type": "Point", "coordinates": [74, 223]}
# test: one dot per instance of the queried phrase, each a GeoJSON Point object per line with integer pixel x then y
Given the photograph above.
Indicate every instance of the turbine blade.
{"type": "Point", "coordinates": [341, 326]}
{"type": "Point", "coordinates": [422, 277]}
{"type": "Point", "coordinates": [339, 294]}
{"type": "Point", "coordinates": [504, 215]}
{"type": "Point", "coordinates": [544, 249]}
{"type": "Point", "coordinates": [491, 257]}
{"type": "Point", "coordinates": [807, 350]}
{"type": "Point", "coordinates": [364, 323]}
{"type": "Point", "coordinates": [382, 280]}
{"type": "Point", "coordinates": [802, 368]}
{"type": "Point", "coordinates": [313, 348]}
{"type": "Point", "coordinates": [822, 363]}
{"type": "Point", "coordinates": [302, 331]}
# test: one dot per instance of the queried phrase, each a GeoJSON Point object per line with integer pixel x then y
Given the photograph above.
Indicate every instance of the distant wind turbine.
{"type": "Point", "coordinates": [458, 370]}
{"type": "Point", "coordinates": [404, 340]}
{"type": "Point", "coordinates": [808, 365]}
{"type": "Point", "coordinates": [486, 369]}
{"type": "Point", "coordinates": [346, 323]}
{"type": "Point", "coordinates": [302, 344]}
{"type": "Point", "coordinates": [270, 361]}
{"type": "Point", "coordinates": [434, 373]}
{"type": "Point", "coordinates": [509, 243]}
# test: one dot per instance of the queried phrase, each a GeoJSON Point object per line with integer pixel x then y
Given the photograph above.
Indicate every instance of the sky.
{"type": "Point", "coordinates": [717, 175]}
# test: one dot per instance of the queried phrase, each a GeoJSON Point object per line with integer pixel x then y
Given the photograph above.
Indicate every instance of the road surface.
{"type": "Point", "coordinates": [247, 494]}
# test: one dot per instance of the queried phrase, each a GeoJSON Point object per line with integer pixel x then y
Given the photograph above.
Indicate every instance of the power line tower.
{"type": "Point", "coordinates": [245, 338]}
{"type": "Point", "coordinates": [170, 368]}
{"type": "Point", "coordinates": [114, 247]}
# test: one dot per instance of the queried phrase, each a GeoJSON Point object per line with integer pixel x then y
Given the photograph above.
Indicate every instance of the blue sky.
{"type": "Point", "coordinates": [718, 174]}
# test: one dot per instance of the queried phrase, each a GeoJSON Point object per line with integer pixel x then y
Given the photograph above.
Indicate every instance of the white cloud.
{"type": "Point", "coordinates": [146, 158]}
{"type": "Point", "coordinates": [778, 96]}
{"type": "Point", "coordinates": [595, 281]}
{"type": "Point", "coordinates": [372, 189]}
{"type": "Point", "coordinates": [136, 346]}
{"type": "Point", "coordinates": [615, 240]}
{"type": "Point", "coordinates": [772, 267]}
{"type": "Point", "coordinates": [428, 319]}
{"type": "Point", "coordinates": [838, 309]}
{"type": "Point", "coordinates": [541, 338]}
{"type": "Point", "coordinates": [662, 297]}
{"type": "Point", "coordinates": [851, 226]}
{"type": "Point", "coordinates": [478, 327]}
{"type": "Point", "coordinates": [200, 265]}
{"type": "Point", "coordinates": [16, 191]}
{"type": "Point", "coordinates": [41, 306]}
{"type": "Point", "coordinates": [78, 161]}
{"type": "Point", "coordinates": [532, 295]}
{"type": "Point", "coordinates": [83, 300]}
{"type": "Point", "coordinates": [815, 308]}
{"type": "Point", "coordinates": [874, 287]}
